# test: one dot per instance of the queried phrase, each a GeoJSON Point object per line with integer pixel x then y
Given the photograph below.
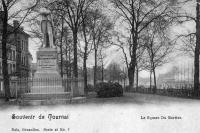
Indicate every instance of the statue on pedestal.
{"type": "Point", "coordinates": [47, 30]}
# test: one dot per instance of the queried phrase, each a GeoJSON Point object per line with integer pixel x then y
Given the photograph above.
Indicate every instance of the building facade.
{"type": "Point", "coordinates": [19, 57]}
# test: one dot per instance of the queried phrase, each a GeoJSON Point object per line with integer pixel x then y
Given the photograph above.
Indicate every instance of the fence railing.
{"type": "Point", "coordinates": [167, 92]}
{"type": "Point", "coordinates": [21, 86]}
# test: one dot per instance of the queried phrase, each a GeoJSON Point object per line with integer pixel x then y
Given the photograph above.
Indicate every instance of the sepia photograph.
{"type": "Point", "coordinates": [99, 66]}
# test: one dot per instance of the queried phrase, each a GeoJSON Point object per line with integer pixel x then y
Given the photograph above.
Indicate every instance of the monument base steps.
{"type": "Point", "coordinates": [30, 100]}
{"type": "Point", "coordinates": [47, 89]}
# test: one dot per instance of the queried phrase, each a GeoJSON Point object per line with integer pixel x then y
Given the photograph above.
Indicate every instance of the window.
{"type": "Point", "coordinates": [22, 44]}
{"type": "Point", "coordinates": [8, 68]}
{"type": "Point", "coordinates": [18, 44]}
{"type": "Point", "coordinates": [0, 53]}
{"type": "Point", "coordinates": [0, 67]}
{"type": "Point", "coordinates": [14, 68]}
{"type": "Point", "coordinates": [21, 60]}
{"type": "Point", "coordinates": [27, 45]}
{"type": "Point", "coordinates": [24, 60]}
{"type": "Point", "coordinates": [9, 54]}
{"type": "Point", "coordinates": [13, 55]}
{"type": "Point", "coordinates": [0, 39]}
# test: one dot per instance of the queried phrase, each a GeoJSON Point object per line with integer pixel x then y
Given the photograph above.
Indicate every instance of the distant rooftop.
{"type": "Point", "coordinates": [14, 27]}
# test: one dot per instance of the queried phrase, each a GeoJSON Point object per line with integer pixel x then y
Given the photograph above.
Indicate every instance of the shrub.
{"type": "Point", "coordinates": [109, 89]}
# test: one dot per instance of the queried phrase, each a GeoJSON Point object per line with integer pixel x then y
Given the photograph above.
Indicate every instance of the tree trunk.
{"type": "Point", "coordinates": [134, 62]}
{"type": "Point", "coordinates": [61, 51]}
{"type": "Point", "coordinates": [75, 65]}
{"type": "Point", "coordinates": [102, 71]}
{"type": "Point", "coordinates": [137, 79]}
{"type": "Point", "coordinates": [85, 59]}
{"type": "Point", "coordinates": [70, 66]}
{"type": "Point", "coordinates": [95, 66]}
{"type": "Point", "coordinates": [150, 79]}
{"type": "Point", "coordinates": [67, 66]}
{"type": "Point", "coordinates": [130, 77]}
{"type": "Point", "coordinates": [4, 53]}
{"type": "Point", "coordinates": [85, 73]}
{"type": "Point", "coordinates": [131, 72]}
{"type": "Point", "coordinates": [197, 48]}
{"type": "Point", "coordinates": [155, 85]}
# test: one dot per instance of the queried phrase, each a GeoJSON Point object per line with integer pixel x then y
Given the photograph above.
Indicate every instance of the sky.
{"type": "Point", "coordinates": [117, 56]}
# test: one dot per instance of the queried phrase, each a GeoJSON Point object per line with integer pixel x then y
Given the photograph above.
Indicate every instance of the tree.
{"type": "Point", "coordinates": [101, 34]}
{"type": "Point", "coordinates": [96, 29]}
{"type": "Point", "coordinates": [68, 50]}
{"type": "Point", "coordinates": [182, 17]}
{"type": "Point", "coordinates": [188, 44]}
{"type": "Point", "coordinates": [141, 61]}
{"type": "Point", "coordinates": [72, 11]}
{"type": "Point", "coordinates": [86, 30]}
{"type": "Point", "coordinates": [158, 47]}
{"type": "Point", "coordinates": [114, 71]}
{"type": "Point", "coordinates": [102, 56]}
{"type": "Point", "coordinates": [138, 14]}
{"type": "Point", "coordinates": [121, 41]}
{"type": "Point", "coordinates": [8, 5]}
{"type": "Point", "coordinates": [197, 50]}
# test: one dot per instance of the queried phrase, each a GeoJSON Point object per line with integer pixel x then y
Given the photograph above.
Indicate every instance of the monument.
{"type": "Point", "coordinates": [47, 86]}
{"type": "Point", "coordinates": [47, 78]}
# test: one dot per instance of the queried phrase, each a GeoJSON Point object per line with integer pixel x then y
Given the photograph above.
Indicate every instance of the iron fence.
{"type": "Point", "coordinates": [187, 93]}
{"type": "Point", "coordinates": [19, 87]}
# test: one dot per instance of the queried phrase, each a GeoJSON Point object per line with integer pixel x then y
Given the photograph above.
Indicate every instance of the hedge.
{"type": "Point", "coordinates": [109, 89]}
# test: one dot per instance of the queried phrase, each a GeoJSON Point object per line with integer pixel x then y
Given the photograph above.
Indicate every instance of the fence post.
{"type": "Point", "coordinates": [75, 90]}
{"type": "Point", "coordinates": [16, 89]}
{"type": "Point", "coordinates": [71, 87]}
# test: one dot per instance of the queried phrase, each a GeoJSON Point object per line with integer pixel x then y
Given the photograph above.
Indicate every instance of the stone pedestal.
{"type": "Point", "coordinates": [47, 85]}
{"type": "Point", "coordinates": [47, 78]}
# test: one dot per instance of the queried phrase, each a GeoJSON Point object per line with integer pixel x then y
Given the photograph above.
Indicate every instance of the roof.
{"type": "Point", "coordinates": [19, 29]}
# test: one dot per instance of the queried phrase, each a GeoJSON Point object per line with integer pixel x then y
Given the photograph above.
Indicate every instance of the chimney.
{"type": "Point", "coordinates": [15, 23]}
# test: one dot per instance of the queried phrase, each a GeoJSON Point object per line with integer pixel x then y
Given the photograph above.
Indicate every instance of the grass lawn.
{"type": "Point", "coordinates": [137, 98]}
